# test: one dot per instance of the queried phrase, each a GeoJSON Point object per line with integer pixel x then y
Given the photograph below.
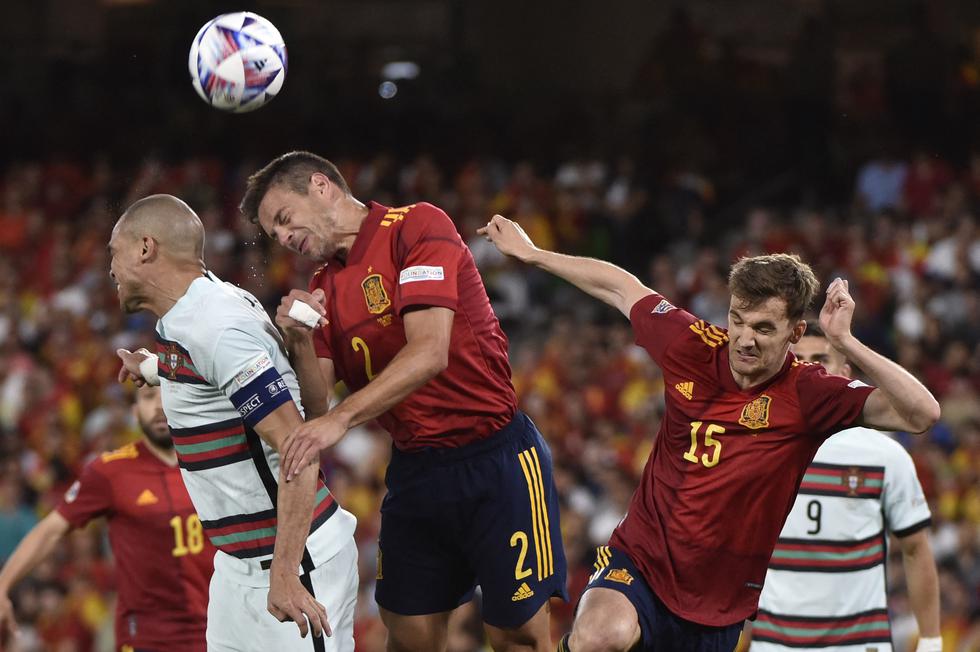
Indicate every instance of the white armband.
{"type": "Point", "coordinates": [931, 644]}
{"type": "Point", "coordinates": [148, 369]}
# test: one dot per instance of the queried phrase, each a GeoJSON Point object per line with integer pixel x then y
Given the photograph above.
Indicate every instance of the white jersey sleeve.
{"type": "Point", "coordinates": [243, 368]}
{"type": "Point", "coordinates": [904, 502]}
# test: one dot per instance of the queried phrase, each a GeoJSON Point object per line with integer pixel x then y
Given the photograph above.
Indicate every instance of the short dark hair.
{"type": "Point", "coordinates": [784, 276]}
{"type": "Point", "coordinates": [293, 170]}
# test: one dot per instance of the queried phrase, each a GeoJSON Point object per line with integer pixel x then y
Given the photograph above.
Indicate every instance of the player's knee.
{"type": "Point", "coordinates": [607, 634]}
{"type": "Point", "coordinates": [402, 640]}
{"type": "Point", "coordinates": [411, 633]}
{"type": "Point", "coordinates": [511, 640]}
{"type": "Point", "coordinates": [532, 636]}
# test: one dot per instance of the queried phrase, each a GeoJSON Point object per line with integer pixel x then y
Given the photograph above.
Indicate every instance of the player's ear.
{"type": "Point", "coordinates": [150, 248]}
{"type": "Point", "coordinates": [320, 184]}
{"type": "Point", "coordinates": [798, 329]}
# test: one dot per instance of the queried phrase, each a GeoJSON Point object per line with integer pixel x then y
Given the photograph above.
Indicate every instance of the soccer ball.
{"type": "Point", "coordinates": [237, 62]}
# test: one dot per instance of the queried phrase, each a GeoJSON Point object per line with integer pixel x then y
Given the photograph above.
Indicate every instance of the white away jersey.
{"type": "Point", "coordinates": [825, 588]}
{"type": "Point", "coordinates": [223, 368]}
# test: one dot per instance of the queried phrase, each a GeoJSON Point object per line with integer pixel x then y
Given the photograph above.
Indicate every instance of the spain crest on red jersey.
{"type": "Point", "coordinates": [755, 414]}
{"type": "Point", "coordinates": [374, 294]}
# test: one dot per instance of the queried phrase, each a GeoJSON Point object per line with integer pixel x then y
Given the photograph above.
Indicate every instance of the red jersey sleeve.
{"type": "Point", "coordinates": [427, 260]}
{"type": "Point", "coordinates": [90, 496]}
{"type": "Point", "coordinates": [829, 403]}
{"type": "Point", "coordinates": [657, 324]}
{"type": "Point", "coordinates": [320, 342]}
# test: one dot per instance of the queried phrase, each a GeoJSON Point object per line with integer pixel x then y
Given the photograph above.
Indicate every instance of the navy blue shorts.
{"type": "Point", "coordinates": [661, 630]}
{"type": "Point", "coordinates": [484, 514]}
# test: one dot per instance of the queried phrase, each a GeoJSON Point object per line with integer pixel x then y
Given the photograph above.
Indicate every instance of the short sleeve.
{"type": "Point", "coordinates": [904, 502]}
{"type": "Point", "coordinates": [243, 369]}
{"type": "Point", "coordinates": [428, 254]}
{"type": "Point", "coordinates": [89, 497]}
{"type": "Point", "coordinates": [321, 344]}
{"type": "Point", "coordinates": [657, 324]}
{"type": "Point", "coordinates": [830, 403]}
{"type": "Point", "coordinates": [321, 339]}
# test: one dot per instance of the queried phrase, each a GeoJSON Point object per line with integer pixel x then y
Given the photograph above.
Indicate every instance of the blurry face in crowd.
{"type": "Point", "coordinates": [759, 337]}
{"type": "Point", "coordinates": [149, 412]}
{"type": "Point", "coordinates": [812, 348]}
{"type": "Point", "coordinates": [305, 224]}
{"type": "Point", "coordinates": [124, 266]}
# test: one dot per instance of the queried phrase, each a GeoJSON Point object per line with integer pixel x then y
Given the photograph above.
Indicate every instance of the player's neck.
{"type": "Point", "coordinates": [167, 290]}
{"type": "Point", "coordinates": [745, 382]}
{"type": "Point", "coordinates": [350, 218]}
{"type": "Point", "coordinates": [166, 455]}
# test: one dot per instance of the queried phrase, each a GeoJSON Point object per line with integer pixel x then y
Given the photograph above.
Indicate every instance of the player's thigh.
{"type": "Point", "coordinates": [416, 633]}
{"type": "Point", "coordinates": [225, 606]}
{"type": "Point", "coordinates": [515, 535]}
{"type": "Point", "coordinates": [533, 636]}
{"type": "Point", "coordinates": [421, 567]}
{"type": "Point", "coordinates": [335, 586]}
{"type": "Point", "coordinates": [606, 621]}
{"type": "Point", "coordinates": [239, 619]}
{"type": "Point", "coordinates": [619, 611]}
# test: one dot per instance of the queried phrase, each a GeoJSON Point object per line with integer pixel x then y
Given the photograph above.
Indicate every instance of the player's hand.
{"type": "Point", "coordinates": [837, 313]}
{"type": "Point", "coordinates": [289, 600]}
{"type": "Point", "coordinates": [8, 626]}
{"type": "Point", "coordinates": [291, 327]}
{"type": "Point", "coordinates": [508, 237]}
{"type": "Point", "coordinates": [304, 444]}
{"type": "Point", "coordinates": [131, 365]}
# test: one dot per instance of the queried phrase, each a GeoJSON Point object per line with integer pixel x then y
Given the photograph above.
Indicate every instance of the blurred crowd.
{"type": "Point", "coordinates": [908, 240]}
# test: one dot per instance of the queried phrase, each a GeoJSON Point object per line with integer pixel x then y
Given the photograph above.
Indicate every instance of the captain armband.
{"type": "Point", "coordinates": [264, 393]}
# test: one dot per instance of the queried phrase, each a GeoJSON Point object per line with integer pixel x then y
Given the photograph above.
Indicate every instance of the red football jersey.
{"type": "Point", "coordinates": [163, 559]}
{"type": "Point", "coordinates": [405, 258]}
{"type": "Point", "coordinates": [725, 467]}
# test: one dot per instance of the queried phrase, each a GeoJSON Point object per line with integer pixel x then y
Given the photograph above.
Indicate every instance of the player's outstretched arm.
{"type": "Point", "coordinates": [288, 598]}
{"type": "Point", "coordinates": [138, 366]}
{"type": "Point", "coordinates": [314, 383]}
{"type": "Point", "coordinates": [31, 551]}
{"type": "Point", "coordinates": [604, 281]}
{"type": "Point", "coordinates": [923, 588]}
{"type": "Point", "coordinates": [425, 355]}
{"type": "Point", "coordinates": [900, 401]}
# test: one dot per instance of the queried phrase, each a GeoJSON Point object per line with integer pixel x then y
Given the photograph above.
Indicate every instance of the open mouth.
{"type": "Point", "coordinates": [302, 245]}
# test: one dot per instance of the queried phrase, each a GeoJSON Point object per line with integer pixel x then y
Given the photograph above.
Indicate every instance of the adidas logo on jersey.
{"type": "Point", "coordinates": [686, 389]}
{"type": "Point", "coordinates": [147, 498]}
{"type": "Point", "coordinates": [523, 592]}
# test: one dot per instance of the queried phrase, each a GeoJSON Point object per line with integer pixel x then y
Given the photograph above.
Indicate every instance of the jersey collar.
{"type": "Point", "coordinates": [145, 452]}
{"type": "Point", "coordinates": [368, 228]}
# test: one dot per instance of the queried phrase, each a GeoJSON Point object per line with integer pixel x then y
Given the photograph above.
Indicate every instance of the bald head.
{"type": "Point", "coordinates": [170, 222]}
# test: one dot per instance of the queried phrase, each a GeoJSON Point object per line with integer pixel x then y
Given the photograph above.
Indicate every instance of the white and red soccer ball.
{"type": "Point", "coordinates": [237, 62]}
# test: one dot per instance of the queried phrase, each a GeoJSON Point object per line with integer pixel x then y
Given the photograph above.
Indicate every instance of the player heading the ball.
{"type": "Point", "coordinates": [407, 325]}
